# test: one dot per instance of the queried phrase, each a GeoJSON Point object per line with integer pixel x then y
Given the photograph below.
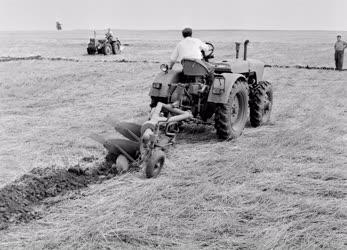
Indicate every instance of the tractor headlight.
{"type": "Point", "coordinates": [164, 68]}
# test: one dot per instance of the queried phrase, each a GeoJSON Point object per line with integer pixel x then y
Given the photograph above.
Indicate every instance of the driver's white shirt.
{"type": "Point", "coordinates": [189, 47]}
{"type": "Point", "coordinates": [109, 33]}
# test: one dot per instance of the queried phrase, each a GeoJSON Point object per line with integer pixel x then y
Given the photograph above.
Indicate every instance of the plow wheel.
{"type": "Point", "coordinates": [155, 163]}
{"type": "Point", "coordinates": [260, 103]}
{"type": "Point", "coordinates": [231, 118]}
{"type": "Point", "coordinates": [122, 164]}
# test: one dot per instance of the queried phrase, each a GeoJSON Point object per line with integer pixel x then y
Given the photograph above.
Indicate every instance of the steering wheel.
{"type": "Point", "coordinates": [209, 54]}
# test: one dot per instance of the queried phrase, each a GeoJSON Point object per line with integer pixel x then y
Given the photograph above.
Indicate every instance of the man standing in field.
{"type": "Point", "coordinates": [339, 51]}
{"type": "Point", "coordinates": [189, 47]}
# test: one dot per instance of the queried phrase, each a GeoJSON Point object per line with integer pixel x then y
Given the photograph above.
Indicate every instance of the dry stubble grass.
{"type": "Point", "coordinates": [48, 109]}
{"type": "Point", "coordinates": [279, 186]}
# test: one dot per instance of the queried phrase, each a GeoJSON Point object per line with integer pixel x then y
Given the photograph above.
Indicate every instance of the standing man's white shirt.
{"type": "Point", "coordinates": [189, 47]}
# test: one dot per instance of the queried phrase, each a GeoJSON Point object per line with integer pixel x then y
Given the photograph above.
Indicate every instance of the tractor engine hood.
{"type": "Point", "coordinates": [244, 66]}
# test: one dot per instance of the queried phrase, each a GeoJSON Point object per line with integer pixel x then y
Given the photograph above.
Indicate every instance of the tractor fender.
{"type": "Point", "coordinates": [222, 86]}
{"type": "Point", "coordinates": [160, 86]}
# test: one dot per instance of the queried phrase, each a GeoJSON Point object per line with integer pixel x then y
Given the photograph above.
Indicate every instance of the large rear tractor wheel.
{"type": "Point", "coordinates": [91, 51]}
{"type": "Point", "coordinates": [155, 163]}
{"type": "Point", "coordinates": [107, 50]}
{"type": "Point", "coordinates": [231, 118]}
{"type": "Point", "coordinates": [260, 103]}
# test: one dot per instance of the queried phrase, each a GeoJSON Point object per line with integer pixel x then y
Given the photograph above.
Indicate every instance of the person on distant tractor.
{"type": "Point", "coordinates": [109, 34]}
{"type": "Point", "coordinates": [188, 47]}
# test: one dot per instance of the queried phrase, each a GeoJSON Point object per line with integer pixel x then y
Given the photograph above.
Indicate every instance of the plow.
{"type": "Point", "coordinates": [228, 93]}
{"type": "Point", "coordinates": [145, 144]}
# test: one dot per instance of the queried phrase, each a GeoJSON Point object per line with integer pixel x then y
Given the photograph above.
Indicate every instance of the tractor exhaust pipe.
{"type": "Point", "coordinates": [237, 49]}
{"type": "Point", "coordinates": [245, 50]}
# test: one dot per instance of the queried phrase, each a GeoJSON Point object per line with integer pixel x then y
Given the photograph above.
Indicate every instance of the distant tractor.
{"type": "Point", "coordinates": [104, 46]}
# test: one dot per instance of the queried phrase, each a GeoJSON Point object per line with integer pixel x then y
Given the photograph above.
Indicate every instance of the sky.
{"type": "Point", "coordinates": [174, 14]}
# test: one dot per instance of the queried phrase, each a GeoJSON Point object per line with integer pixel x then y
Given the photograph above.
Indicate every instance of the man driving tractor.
{"type": "Point", "coordinates": [189, 47]}
{"type": "Point", "coordinates": [109, 34]}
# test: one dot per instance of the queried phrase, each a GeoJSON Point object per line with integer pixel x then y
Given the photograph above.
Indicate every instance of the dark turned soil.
{"type": "Point", "coordinates": [18, 198]}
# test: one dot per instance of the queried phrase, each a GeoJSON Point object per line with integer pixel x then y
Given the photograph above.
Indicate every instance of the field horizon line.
{"type": "Point", "coordinates": [196, 29]}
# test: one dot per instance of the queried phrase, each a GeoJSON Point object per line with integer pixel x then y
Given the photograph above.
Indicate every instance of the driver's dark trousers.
{"type": "Point", "coordinates": [339, 59]}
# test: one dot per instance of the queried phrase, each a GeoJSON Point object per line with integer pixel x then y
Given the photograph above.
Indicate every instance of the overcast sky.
{"type": "Point", "coordinates": [174, 14]}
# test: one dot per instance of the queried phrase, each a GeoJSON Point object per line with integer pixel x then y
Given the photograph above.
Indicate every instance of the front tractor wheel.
{"type": "Point", "coordinates": [116, 48]}
{"type": "Point", "coordinates": [107, 50]}
{"type": "Point", "coordinates": [155, 163]}
{"type": "Point", "coordinates": [260, 103]}
{"type": "Point", "coordinates": [231, 117]}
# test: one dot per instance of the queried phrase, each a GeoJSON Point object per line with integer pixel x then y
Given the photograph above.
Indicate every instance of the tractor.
{"type": "Point", "coordinates": [224, 90]}
{"type": "Point", "coordinates": [221, 92]}
{"type": "Point", "coordinates": [104, 46]}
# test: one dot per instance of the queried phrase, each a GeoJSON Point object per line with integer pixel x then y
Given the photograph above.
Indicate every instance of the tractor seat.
{"type": "Point", "coordinates": [196, 67]}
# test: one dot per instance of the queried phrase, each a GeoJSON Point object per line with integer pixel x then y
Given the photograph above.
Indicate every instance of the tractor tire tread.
{"type": "Point", "coordinates": [223, 126]}
{"type": "Point", "coordinates": [257, 94]}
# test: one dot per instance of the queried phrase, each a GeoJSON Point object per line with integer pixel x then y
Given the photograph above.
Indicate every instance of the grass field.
{"type": "Point", "coordinates": [280, 186]}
